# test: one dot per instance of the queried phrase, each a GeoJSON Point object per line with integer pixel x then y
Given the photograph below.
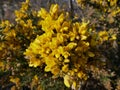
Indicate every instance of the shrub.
{"type": "Point", "coordinates": [49, 49]}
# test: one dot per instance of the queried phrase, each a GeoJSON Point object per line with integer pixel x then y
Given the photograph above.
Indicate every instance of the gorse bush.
{"type": "Point", "coordinates": [64, 48]}
{"type": "Point", "coordinates": [49, 49]}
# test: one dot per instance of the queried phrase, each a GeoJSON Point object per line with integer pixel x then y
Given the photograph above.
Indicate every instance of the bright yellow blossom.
{"type": "Point", "coordinates": [55, 70]}
{"type": "Point", "coordinates": [67, 81]}
{"type": "Point", "coordinates": [15, 80]}
{"type": "Point", "coordinates": [54, 10]}
{"type": "Point", "coordinates": [103, 35]}
{"type": "Point", "coordinates": [50, 62]}
{"type": "Point", "coordinates": [34, 62]}
{"type": "Point", "coordinates": [42, 13]}
{"type": "Point", "coordinates": [65, 68]}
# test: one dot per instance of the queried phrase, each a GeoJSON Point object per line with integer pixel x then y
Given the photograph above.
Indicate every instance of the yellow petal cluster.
{"type": "Point", "coordinates": [62, 44]}
{"type": "Point", "coordinates": [65, 46]}
{"type": "Point", "coordinates": [22, 12]}
{"type": "Point", "coordinates": [15, 80]}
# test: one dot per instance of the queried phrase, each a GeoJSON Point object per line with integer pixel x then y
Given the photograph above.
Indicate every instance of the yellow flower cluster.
{"type": "Point", "coordinates": [15, 80]}
{"type": "Point", "coordinates": [22, 12]}
{"type": "Point", "coordinates": [64, 47]}
{"type": "Point", "coordinates": [100, 2]}
{"type": "Point", "coordinates": [113, 2]}
{"type": "Point", "coordinates": [14, 38]}
{"type": "Point", "coordinates": [8, 35]}
{"type": "Point", "coordinates": [51, 41]}
{"type": "Point", "coordinates": [104, 5]}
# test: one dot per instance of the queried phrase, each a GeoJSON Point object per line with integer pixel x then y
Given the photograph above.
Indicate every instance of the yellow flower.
{"type": "Point", "coordinates": [28, 52]}
{"type": "Point", "coordinates": [66, 60]}
{"type": "Point", "coordinates": [67, 81]}
{"type": "Point", "coordinates": [61, 18]}
{"type": "Point", "coordinates": [15, 80]}
{"type": "Point", "coordinates": [47, 69]}
{"type": "Point", "coordinates": [74, 84]}
{"type": "Point", "coordinates": [66, 54]}
{"type": "Point", "coordinates": [35, 47]}
{"type": "Point", "coordinates": [65, 68]}
{"type": "Point", "coordinates": [54, 44]}
{"type": "Point", "coordinates": [10, 34]}
{"type": "Point", "coordinates": [47, 24]}
{"type": "Point", "coordinates": [72, 72]}
{"type": "Point", "coordinates": [50, 62]}
{"type": "Point", "coordinates": [54, 10]}
{"type": "Point", "coordinates": [70, 46]}
{"type": "Point", "coordinates": [36, 77]}
{"type": "Point", "coordinates": [83, 37]}
{"type": "Point", "coordinates": [60, 38]}
{"type": "Point", "coordinates": [19, 15]}
{"type": "Point", "coordinates": [60, 50]}
{"type": "Point", "coordinates": [72, 36]}
{"type": "Point", "coordinates": [55, 70]}
{"type": "Point", "coordinates": [25, 6]}
{"type": "Point", "coordinates": [83, 28]}
{"type": "Point", "coordinates": [66, 24]}
{"type": "Point", "coordinates": [34, 62]}
{"type": "Point", "coordinates": [90, 54]}
{"type": "Point", "coordinates": [113, 37]}
{"type": "Point", "coordinates": [103, 35]}
{"type": "Point", "coordinates": [115, 12]}
{"type": "Point", "coordinates": [29, 23]}
{"type": "Point", "coordinates": [42, 13]}
{"type": "Point", "coordinates": [5, 23]}
{"type": "Point", "coordinates": [80, 74]}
